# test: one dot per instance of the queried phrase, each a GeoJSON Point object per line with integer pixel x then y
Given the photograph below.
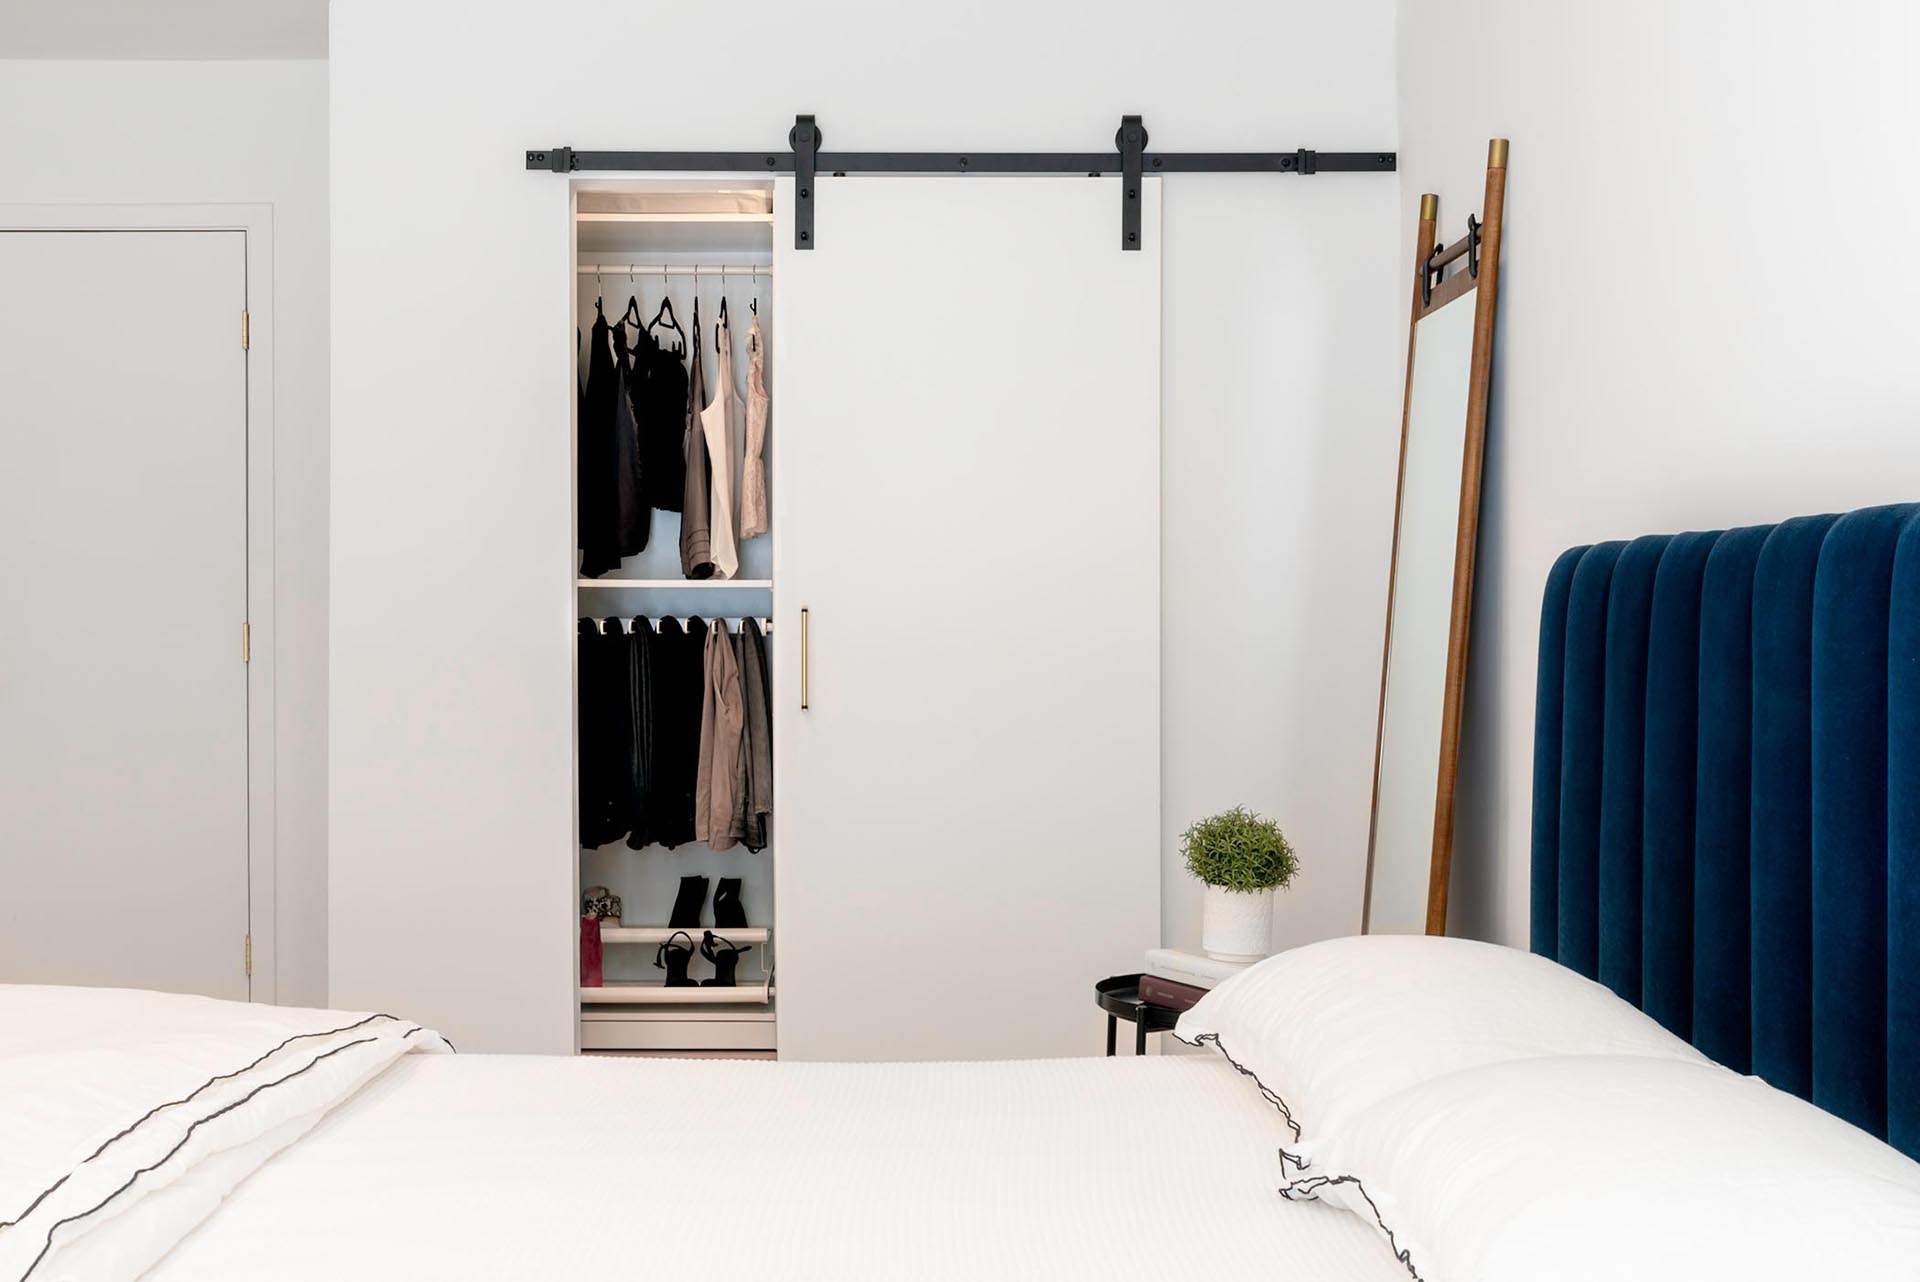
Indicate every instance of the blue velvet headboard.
{"type": "Point", "coordinates": [1726, 797]}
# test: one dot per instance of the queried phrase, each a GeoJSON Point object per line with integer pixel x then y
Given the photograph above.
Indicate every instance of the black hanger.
{"type": "Point", "coordinates": [672, 321]}
{"type": "Point", "coordinates": [632, 315]}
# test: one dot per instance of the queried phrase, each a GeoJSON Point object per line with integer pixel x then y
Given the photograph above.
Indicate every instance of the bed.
{"type": "Point", "coordinates": [1703, 1067]}
{"type": "Point", "coordinates": [434, 1165]}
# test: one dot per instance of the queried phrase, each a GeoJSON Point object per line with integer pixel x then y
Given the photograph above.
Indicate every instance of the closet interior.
{"type": "Point", "coordinates": [674, 582]}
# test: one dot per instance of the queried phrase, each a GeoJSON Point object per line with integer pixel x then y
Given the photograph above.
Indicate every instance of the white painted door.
{"type": "Point", "coordinates": [967, 439]}
{"type": "Point", "coordinates": [123, 699]}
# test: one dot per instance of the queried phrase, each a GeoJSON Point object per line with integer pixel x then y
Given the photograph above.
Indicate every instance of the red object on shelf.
{"type": "Point", "coordinates": [1169, 993]}
{"type": "Point", "coordinates": [592, 954]}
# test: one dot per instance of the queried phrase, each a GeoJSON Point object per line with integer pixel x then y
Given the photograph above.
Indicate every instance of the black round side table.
{"type": "Point", "coordinates": [1119, 996]}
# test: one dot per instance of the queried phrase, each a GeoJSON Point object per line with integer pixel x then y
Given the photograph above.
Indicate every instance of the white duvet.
{"type": "Point", "coordinates": [125, 1116]}
{"type": "Point", "coordinates": [490, 1168]}
{"type": "Point", "coordinates": [496, 1167]}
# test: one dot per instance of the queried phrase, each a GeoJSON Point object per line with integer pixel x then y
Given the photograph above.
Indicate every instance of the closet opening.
{"type": "Point", "coordinates": [674, 582]}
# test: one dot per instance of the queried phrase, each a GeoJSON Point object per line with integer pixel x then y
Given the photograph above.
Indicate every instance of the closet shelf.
{"type": "Point", "coordinates": [660, 934]}
{"type": "Point", "coordinates": [623, 216]}
{"type": "Point", "coordinates": [661, 995]}
{"type": "Point", "coordinates": [700, 585]}
{"type": "Point", "coordinates": [614, 233]}
{"type": "Point", "coordinates": [697, 1014]}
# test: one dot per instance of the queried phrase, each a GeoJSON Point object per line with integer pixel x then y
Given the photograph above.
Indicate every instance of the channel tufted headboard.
{"type": "Point", "coordinates": [1726, 797]}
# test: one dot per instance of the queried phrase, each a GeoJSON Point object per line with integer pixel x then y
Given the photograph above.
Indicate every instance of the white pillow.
{"type": "Point", "coordinates": [1330, 1028]}
{"type": "Point", "coordinates": [1604, 1168]}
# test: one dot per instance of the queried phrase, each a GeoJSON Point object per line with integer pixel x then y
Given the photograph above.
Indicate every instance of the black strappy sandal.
{"type": "Point", "coordinates": [725, 958]}
{"type": "Point", "coordinates": [674, 958]}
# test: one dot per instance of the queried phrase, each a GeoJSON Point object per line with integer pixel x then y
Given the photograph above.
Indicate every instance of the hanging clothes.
{"type": "Point", "coordinates": [722, 718]}
{"type": "Point", "coordinates": [612, 520]}
{"type": "Point", "coordinates": [696, 542]}
{"type": "Point", "coordinates": [677, 668]}
{"type": "Point", "coordinates": [720, 421]}
{"type": "Point", "coordinates": [604, 731]}
{"type": "Point", "coordinates": [755, 807]}
{"type": "Point", "coordinates": [754, 517]}
{"type": "Point", "coordinates": [594, 455]}
{"type": "Point", "coordinates": [660, 410]}
{"type": "Point", "coordinates": [633, 518]}
{"type": "Point", "coordinates": [638, 771]}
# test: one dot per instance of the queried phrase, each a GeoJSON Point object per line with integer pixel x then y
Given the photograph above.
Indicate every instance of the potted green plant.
{"type": "Point", "coordinates": [1242, 858]}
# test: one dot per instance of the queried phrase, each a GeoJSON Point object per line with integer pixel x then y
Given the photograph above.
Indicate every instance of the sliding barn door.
{"type": "Point", "coordinates": [966, 436]}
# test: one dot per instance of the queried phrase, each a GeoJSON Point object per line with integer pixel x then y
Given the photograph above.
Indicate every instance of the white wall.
{"type": "Point", "coordinates": [213, 133]}
{"type": "Point", "coordinates": [452, 791]}
{"type": "Point", "coordinates": [1708, 303]}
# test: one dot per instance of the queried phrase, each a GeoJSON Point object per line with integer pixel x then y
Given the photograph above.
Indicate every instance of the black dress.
{"type": "Point", "coordinates": [633, 517]}
{"type": "Point", "coordinates": [660, 410]}
{"type": "Point", "coordinates": [612, 518]}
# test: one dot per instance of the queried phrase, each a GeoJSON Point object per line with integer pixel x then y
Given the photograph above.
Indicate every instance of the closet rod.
{"type": "Point", "coordinates": [805, 161]}
{"type": "Point", "coordinates": [741, 271]}
{"type": "Point", "coordinates": [619, 620]}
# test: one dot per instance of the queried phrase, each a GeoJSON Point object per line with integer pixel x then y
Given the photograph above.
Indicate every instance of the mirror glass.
{"type": "Point", "coordinates": [1413, 699]}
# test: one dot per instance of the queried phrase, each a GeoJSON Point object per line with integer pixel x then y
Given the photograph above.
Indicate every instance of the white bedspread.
{"type": "Point", "coordinates": [126, 1116]}
{"type": "Point", "coordinates": [493, 1167]}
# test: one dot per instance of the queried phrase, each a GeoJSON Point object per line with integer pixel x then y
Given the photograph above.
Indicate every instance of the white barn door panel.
{"type": "Point", "coordinates": [123, 586]}
{"type": "Point", "coordinates": [967, 446]}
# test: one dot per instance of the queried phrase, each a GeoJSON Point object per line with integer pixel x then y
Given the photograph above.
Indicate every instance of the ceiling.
{"type": "Point", "coordinates": [163, 28]}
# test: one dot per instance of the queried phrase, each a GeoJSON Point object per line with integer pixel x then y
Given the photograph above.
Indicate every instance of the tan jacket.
{"type": "Point", "coordinates": [722, 718]}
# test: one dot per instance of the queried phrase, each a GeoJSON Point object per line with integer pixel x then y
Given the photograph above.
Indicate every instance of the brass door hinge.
{"type": "Point", "coordinates": [246, 643]}
{"type": "Point", "coordinates": [249, 955]}
{"type": "Point", "coordinates": [245, 326]}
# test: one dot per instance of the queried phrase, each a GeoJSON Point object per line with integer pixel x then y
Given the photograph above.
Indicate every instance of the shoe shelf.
{"type": "Point", "coordinates": [660, 934]}
{"type": "Point", "coordinates": [692, 995]}
{"type": "Point", "coordinates": [713, 1013]}
{"type": "Point", "coordinates": [704, 585]}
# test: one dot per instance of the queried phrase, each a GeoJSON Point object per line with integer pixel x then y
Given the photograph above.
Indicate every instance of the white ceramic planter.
{"type": "Point", "coordinates": [1236, 927]}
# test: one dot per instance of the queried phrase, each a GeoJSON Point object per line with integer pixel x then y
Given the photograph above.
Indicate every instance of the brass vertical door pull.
{"type": "Point", "coordinates": [804, 658]}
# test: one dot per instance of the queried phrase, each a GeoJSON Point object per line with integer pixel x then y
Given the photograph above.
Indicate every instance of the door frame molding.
{"type": "Point", "coordinates": [255, 223]}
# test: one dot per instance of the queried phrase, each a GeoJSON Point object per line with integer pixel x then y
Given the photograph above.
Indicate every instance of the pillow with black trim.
{"type": "Point", "coordinates": [1603, 1168]}
{"type": "Point", "coordinates": [1329, 1028]}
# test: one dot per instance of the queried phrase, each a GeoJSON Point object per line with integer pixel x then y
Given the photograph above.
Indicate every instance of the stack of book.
{"type": "Point", "coordinates": [1176, 980]}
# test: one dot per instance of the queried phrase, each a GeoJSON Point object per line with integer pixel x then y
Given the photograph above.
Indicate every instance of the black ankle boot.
{"type": "Point", "coordinates": [725, 958]}
{"type": "Point", "coordinates": [687, 904]}
{"type": "Point", "coordinates": [676, 957]}
{"type": "Point", "coordinates": [728, 911]}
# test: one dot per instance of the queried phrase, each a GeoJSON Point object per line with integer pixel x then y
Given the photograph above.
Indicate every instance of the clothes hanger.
{"type": "Point", "coordinates": [754, 306]}
{"type": "Point", "coordinates": [666, 312]}
{"type": "Point", "coordinates": [632, 315]}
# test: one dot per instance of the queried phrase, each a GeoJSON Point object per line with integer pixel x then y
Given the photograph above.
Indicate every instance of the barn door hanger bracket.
{"type": "Point", "coordinates": [807, 163]}
{"type": "Point", "coordinates": [1132, 142]}
{"type": "Point", "coordinates": [804, 138]}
